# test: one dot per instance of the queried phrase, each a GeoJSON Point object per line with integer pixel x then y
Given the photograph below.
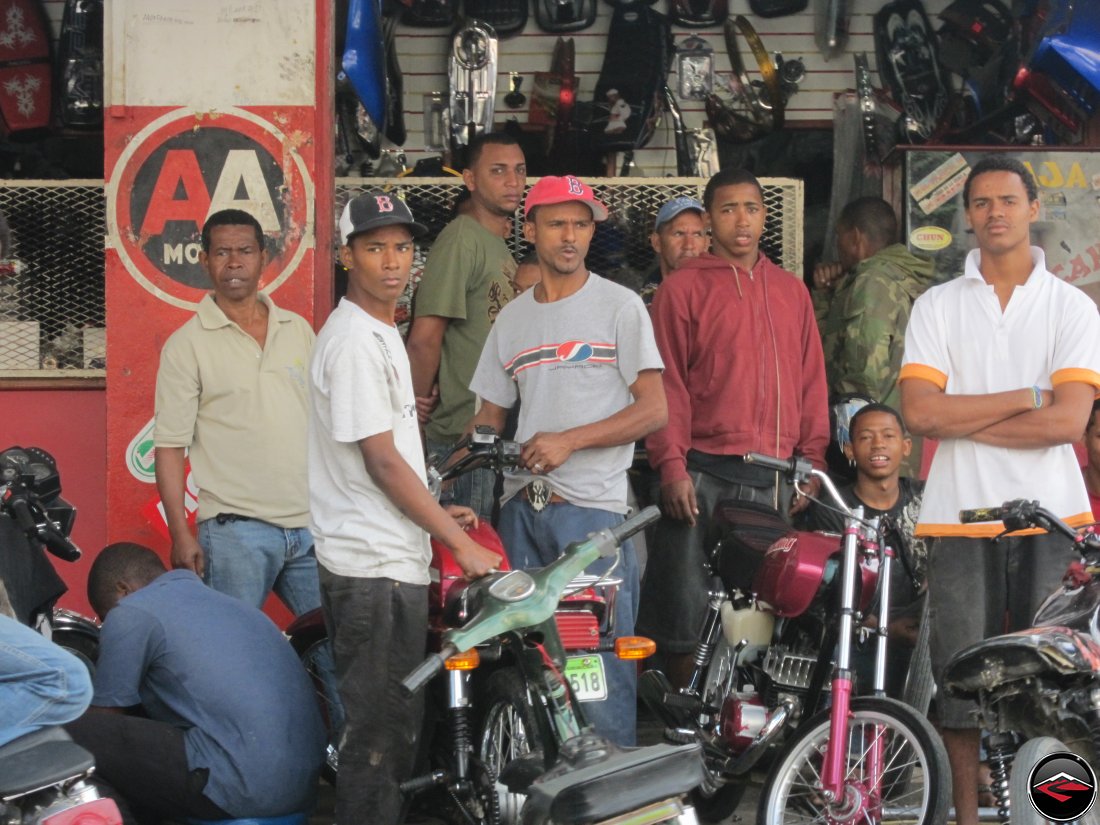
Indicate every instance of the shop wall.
{"type": "Point", "coordinates": [71, 426]}
{"type": "Point", "coordinates": [423, 57]}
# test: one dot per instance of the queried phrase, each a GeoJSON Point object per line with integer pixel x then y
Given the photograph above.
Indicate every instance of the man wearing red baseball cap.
{"type": "Point", "coordinates": [578, 351]}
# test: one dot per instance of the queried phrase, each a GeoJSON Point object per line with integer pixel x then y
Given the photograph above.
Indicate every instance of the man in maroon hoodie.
{"type": "Point", "coordinates": [743, 373]}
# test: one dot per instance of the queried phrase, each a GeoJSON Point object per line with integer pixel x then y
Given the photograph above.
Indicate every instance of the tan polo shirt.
{"type": "Point", "coordinates": [242, 411]}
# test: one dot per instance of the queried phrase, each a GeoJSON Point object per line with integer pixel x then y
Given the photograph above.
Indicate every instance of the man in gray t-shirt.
{"type": "Point", "coordinates": [578, 352]}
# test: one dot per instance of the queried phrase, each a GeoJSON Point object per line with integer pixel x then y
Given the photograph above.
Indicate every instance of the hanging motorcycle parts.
{"type": "Point", "coordinates": [831, 20]}
{"type": "Point", "coordinates": [565, 15]}
{"type": "Point", "coordinates": [907, 65]}
{"type": "Point", "coordinates": [507, 17]}
{"type": "Point", "coordinates": [628, 91]}
{"type": "Point", "coordinates": [699, 14]}
{"type": "Point", "coordinates": [395, 86]}
{"type": "Point", "coordinates": [363, 60]}
{"type": "Point", "coordinates": [472, 75]}
{"type": "Point", "coordinates": [515, 98]}
{"type": "Point", "coordinates": [430, 14]}
{"type": "Point", "coordinates": [694, 68]}
{"type": "Point", "coordinates": [777, 8]}
{"type": "Point", "coordinates": [752, 114]}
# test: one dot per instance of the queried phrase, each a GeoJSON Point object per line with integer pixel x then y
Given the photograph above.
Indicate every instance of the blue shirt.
{"type": "Point", "coordinates": [220, 670]}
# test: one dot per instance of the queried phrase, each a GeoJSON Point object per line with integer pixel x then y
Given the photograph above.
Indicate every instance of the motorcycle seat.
{"type": "Point", "coordinates": [40, 759]}
{"type": "Point", "coordinates": [286, 819]}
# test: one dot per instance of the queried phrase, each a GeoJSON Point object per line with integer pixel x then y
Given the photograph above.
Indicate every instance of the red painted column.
{"type": "Point", "coordinates": [209, 107]}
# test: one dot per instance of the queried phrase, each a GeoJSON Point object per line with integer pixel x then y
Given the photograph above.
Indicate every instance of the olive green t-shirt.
{"type": "Point", "coordinates": [468, 278]}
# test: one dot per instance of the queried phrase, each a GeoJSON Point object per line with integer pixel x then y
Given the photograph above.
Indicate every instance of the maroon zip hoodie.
{"type": "Point", "coordinates": [743, 365]}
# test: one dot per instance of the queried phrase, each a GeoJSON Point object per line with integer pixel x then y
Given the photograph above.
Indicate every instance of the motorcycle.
{"type": "Point", "coordinates": [462, 771]}
{"type": "Point", "coordinates": [579, 777]}
{"type": "Point", "coordinates": [34, 517]}
{"type": "Point", "coordinates": [782, 616]}
{"type": "Point", "coordinates": [1040, 684]}
{"type": "Point", "coordinates": [44, 775]}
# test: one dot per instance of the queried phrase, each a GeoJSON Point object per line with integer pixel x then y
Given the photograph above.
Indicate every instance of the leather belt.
{"type": "Point", "coordinates": [539, 494]}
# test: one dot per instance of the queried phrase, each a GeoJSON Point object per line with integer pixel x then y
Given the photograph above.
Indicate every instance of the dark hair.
{"type": "Point", "coordinates": [874, 407]}
{"type": "Point", "coordinates": [118, 561]}
{"type": "Point", "coordinates": [1092, 415]}
{"type": "Point", "coordinates": [1001, 163]}
{"type": "Point", "coordinates": [231, 217]}
{"type": "Point", "coordinates": [729, 177]}
{"type": "Point", "coordinates": [473, 151]}
{"type": "Point", "coordinates": [872, 216]}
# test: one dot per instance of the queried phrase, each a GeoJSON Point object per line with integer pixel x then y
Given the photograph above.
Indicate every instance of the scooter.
{"type": "Point", "coordinates": [466, 750]}
{"type": "Point", "coordinates": [588, 779]}
{"type": "Point", "coordinates": [1040, 685]}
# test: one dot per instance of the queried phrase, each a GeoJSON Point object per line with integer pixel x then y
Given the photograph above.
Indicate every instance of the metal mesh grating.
{"type": "Point", "coordinates": [52, 296]}
{"type": "Point", "coordinates": [620, 249]}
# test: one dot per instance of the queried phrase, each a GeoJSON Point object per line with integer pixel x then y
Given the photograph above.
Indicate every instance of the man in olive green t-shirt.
{"type": "Point", "coordinates": [468, 278]}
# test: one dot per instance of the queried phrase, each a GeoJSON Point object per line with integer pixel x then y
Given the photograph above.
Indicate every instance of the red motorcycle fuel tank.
{"type": "Point", "coordinates": [797, 565]}
{"type": "Point", "coordinates": [445, 572]}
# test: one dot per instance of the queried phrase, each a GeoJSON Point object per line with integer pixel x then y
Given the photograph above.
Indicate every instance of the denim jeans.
{"type": "Point", "coordinates": [473, 489]}
{"type": "Point", "coordinates": [40, 684]}
{"type": "Point", "coordinates": [534, 539]}
{"type": "Point", "coordinates": [379, 631]}
{"type": "Point", "coordinates": [248, 558]}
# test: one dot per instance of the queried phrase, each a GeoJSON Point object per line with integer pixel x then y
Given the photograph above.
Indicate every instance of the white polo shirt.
{"type": "Point", "coordinates": [959, 339]}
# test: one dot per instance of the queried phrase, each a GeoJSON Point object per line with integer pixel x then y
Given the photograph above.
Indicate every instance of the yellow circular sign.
{"type": "Point", "coordinates": [930, 238]}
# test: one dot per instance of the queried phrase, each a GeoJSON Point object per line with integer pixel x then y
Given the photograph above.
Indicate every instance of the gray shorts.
{"type": "Point", "coordinates": [978, 588]}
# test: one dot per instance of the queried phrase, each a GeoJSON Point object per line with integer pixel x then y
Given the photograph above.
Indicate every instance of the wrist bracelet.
{"type": "Point", "coordinates": [1036, 397]}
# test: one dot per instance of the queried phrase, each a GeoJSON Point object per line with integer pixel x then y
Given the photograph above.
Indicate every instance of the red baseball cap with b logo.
{"type": "Point", "coordinates": [376, 208]}
{"type": "Point", "coordinates": [552, 189]}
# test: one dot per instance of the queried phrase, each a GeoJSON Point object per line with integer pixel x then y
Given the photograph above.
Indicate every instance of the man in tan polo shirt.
{"type": "Point", "coordinates": [232, 393]}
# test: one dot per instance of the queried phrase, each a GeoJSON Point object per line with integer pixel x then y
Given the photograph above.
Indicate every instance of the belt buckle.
{"type": "Point", "coordinates": [538, 494]}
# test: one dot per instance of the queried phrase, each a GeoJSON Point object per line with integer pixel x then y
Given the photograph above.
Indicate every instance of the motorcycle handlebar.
{"type": "Point", "coordinates": [427, 669]}
{"type": "Point", "coordinates": [637, 522]}
{"type": "Point", "coordinates": [54, 540]}
{"type": "Point", "coordinates": [978, 514]}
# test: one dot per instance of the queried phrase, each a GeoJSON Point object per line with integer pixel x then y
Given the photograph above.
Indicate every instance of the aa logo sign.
{"type": "Point", "coordinates": [183, 167]}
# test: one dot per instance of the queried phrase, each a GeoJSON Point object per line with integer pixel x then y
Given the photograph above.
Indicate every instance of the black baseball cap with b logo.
{"type": "Point", "coordinates": [374, 209]}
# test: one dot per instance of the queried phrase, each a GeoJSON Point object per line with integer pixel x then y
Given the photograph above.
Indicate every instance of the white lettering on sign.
{"type": "Point", "coordinates": [242, 171]}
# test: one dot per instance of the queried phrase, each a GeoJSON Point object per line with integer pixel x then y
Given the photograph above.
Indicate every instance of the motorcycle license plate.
{"type": "Point", "coordinates": [585, 675]}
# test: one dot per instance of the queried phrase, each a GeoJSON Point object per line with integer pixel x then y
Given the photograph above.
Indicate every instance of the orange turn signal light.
{"type": "Point", "coordinates": [467, 660]}
{"type": "Point", "coordinates": [634, 647]}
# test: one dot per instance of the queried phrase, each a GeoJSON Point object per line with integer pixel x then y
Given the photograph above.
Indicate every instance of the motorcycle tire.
{"type": "Point", "coordinates": [920, 686]}
{"type": "Point", "coordinates": [308, 651]}
{"type": "Point", "coordinates": [1023, 812]}
{"type": "Point", "coordinates": [508, 730]}
{"type": "Point", "coordinates": [917, 780]}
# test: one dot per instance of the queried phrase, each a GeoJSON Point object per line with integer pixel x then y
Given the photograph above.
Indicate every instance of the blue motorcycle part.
{"type": "Point", "coordinates": [364, 60]}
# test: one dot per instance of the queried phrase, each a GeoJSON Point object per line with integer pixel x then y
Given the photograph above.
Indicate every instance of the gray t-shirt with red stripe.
{"type": "Point", "coordinates": [570, 362]}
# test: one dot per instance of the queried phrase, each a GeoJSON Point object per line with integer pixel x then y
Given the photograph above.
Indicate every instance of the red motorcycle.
{"type": "Point", "coordinates": [773, 677]}
{"type": "Point", "coordinates": [466, 752]}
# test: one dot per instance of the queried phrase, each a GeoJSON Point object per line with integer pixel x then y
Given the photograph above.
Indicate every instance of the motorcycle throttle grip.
{"type": "Point", "coordinates": [22, 512]}
{"type": "Point", "coordinates": [59, 544]}
{"type": "Point", "coordinates": [635, 523]}
{"type": "Point", "coordinates": [981, 514]}
{"type": "Point", "coordinates": [769, 461]}
{"type": "Point", "coordinates": [427, 669]}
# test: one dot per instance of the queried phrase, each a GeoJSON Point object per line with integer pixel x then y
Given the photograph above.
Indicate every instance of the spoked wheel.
{"type": "Point", "coordinates": [913, 785]}
{"type": "Point", "coordinates": [716, 799]}
{"type": "Point", "coordinates": [1023, 812]}
{"type": "Point", "coordinates": [312, 656]}
{"type": "Point", "coordinates": [509, 730]}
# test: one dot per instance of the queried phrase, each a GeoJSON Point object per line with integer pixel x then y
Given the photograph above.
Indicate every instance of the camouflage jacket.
{"type": "Point", "coordinates": [863, 319]}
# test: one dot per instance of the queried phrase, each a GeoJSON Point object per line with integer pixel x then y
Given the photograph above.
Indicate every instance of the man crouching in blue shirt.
{"type": "Point", "coordinates": [201, 709]}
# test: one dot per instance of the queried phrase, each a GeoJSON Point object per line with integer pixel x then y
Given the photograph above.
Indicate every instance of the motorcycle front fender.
{"type": "Point", "coordinates": [1058, 651]}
